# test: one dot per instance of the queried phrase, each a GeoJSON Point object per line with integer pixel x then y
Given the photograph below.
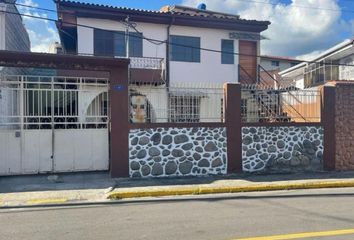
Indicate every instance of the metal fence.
{"type": "Point", "coordinates": [269, 105]}
{"type": "Point", "coordinates": [158, 103]}
{"type": "Point", "coordinates": [45, 102]}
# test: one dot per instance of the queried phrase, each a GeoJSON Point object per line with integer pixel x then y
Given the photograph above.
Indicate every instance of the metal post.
{"type": "Point", "coordinates": [52, 119]}
{"type": "Point", "coordinates": [21, 117]}
{"type": "Point", "coordinates": [127, 38]}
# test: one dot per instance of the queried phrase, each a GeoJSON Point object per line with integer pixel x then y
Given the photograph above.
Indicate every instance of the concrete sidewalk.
{"type": "Point", "coordinates": [98, 187]}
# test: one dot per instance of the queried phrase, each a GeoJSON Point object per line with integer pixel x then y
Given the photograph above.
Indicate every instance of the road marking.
{"type": "Point", "coordinates": [303, 235]}
{"type": "Point", "coordinates": [46, 201]}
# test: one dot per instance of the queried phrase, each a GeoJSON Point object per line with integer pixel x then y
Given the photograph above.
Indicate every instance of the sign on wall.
{"type": "Point", "coordinates": [245, 36]}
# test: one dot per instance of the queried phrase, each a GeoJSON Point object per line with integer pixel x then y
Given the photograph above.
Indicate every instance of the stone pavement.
{"type": "Point", "coordinates": [96, 187]}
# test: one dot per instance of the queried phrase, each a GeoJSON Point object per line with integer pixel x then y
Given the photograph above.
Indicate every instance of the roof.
{"type": "Point", "coordinates": [181, 15]}
{"type": "Point", "coordinates": [341, 46]}
{"type": "Point", "coordinates": [281, 58]}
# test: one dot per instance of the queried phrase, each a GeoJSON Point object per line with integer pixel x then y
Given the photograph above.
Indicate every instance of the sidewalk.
{"type": "Point", "coordinates": [98, 187]}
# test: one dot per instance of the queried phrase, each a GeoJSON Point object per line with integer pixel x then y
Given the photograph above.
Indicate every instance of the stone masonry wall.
{"type": "Point", "coordinates": [165, 152]}
{"type": "Point", "coordinates": [282, 149]}
{"type": "Point", "coordinates": [344, 127]}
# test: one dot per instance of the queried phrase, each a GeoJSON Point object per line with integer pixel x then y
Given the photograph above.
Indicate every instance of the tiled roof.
{"type": "Point", "coordinates": [168, 11]}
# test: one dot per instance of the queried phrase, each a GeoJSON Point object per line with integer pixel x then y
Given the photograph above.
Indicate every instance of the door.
{"type": "Point", "coordinates": [53, 124]}
{"type": "Point", "coordinates": [248, 62]}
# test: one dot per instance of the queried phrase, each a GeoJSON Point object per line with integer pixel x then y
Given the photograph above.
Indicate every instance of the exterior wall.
{"type": "Point", "coordinates": [347, 72]}
{"type": "Point", "coordinates": [16, 36]}
{"type": "Point", "coordinates": [2, 26]}
{"type": "Point", "coordinates": [344, 127]}
{"type": "Point", "coordinates": [165, 152]}
{"type": "Point", "coordinates": [155, 31]}
{"type": "Point", "coordinates": [267, 64]}
{"type": "Point", "coordinates": [210, 68]}
{"type": "Point", "coordinates": [282, 149]}
{"type": "Point", "coordinates": [158, 98]}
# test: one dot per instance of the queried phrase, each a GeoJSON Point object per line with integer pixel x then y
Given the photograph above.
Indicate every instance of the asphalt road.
{"type": "Point", "coordinates": [229, 216]}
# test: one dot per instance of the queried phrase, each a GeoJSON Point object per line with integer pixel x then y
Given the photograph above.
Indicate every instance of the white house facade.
{"type": "Point", "coordinates": [178, 54]}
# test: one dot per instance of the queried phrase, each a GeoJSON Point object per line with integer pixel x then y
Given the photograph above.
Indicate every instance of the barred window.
{"type": "Point", "coordinates": [184, 108]}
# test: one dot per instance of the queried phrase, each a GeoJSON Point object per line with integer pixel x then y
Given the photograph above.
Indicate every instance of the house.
{"type": "Point", "coordinates": [179, 55]}
{"type": "Point", "coordinates": [271, 63]}
{"type": "Point", "coordinates": [334, 64]}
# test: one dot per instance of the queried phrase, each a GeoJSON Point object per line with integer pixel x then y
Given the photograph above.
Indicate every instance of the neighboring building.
{"type": "Point", "coordinates": [13, 34]}
{"type": "Point", "coordinates": [13, 37]}
{"type": "Point", "coordinates": [276, 63]}
{"type": "Point", "coordinates": [55, 48]}
{"type": "Point", "coordinates": [182, 63]}
{"type": "Point", "coordinates": [335, 64]}
{"type": "Point", "coordinates": [271, 66]}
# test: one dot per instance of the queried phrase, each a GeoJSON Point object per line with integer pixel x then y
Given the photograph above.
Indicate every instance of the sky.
{"type": "Point", "coordinates": [300, 28]}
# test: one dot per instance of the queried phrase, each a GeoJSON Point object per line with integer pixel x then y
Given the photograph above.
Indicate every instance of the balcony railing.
{"type": "Point", "coordinates": [146, 63]}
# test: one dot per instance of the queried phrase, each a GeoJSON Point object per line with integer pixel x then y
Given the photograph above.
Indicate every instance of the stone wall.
{"type": "Point", "coordinates": [344, 127]}
{"type": "Point", "coordinates": [164, 152]}
{"type": "Point", "coordinates": [282, 149]}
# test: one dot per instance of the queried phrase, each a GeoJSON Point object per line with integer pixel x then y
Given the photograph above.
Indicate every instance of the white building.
{"type": "Point", "coordinates": [277, 63]}
{"type": "Point", "coordinates": [335, 64]}
{"type": "Point", "coordinates": [192, 60]}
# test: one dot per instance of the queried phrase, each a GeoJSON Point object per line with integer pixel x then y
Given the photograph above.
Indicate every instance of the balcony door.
{"type": "Point", "coordinates": [248, 62]}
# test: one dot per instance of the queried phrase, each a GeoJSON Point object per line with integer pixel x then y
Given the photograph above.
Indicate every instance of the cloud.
{"type": "Point", "coordinates": [294, 30]}
{"type": "Point", "coordinates": [42, 33]}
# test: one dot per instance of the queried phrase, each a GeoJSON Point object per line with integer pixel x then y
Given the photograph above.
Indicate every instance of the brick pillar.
{"type": "Point", "coordinates": [232, 96]}
{"type": "Point", "coordinates": [328, 123]}
{"type": "Point", "coordinates": [119, 135]}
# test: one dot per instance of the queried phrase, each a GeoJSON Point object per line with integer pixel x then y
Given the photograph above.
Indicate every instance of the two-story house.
{"type": "Point", "coordinates": [175, 47]}
{"type": "Point", "coordinates": [334, 64]}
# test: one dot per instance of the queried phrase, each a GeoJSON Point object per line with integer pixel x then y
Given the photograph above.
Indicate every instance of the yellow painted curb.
{"type": "Point", "coordinates": [200, 189]}
{"type": "Point", "coordinates": [46, 201]}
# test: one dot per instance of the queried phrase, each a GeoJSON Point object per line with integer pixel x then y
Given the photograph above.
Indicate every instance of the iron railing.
{"type": "Point", "coordinates": [45, 102]}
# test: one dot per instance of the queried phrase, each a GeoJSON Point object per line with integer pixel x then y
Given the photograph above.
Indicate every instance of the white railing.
{"type": "Point", "coordinates": [44, 102]}
{"type": "Point", "coordinates": [146, 63]}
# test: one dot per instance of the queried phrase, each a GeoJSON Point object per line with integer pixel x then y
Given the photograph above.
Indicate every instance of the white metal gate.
{"type": "Point", "coordinates": [53, 124]}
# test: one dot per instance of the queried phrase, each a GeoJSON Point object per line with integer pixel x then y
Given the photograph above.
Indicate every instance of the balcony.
{"type": "Point", "coordinates": [147, 70]}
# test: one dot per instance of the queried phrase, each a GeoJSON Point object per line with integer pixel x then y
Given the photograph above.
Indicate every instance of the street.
{"type": "Point", "coordinates": [223, 216]}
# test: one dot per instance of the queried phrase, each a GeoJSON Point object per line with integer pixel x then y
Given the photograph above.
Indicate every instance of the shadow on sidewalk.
{"type": "Point", "coordinates": [102, 180]}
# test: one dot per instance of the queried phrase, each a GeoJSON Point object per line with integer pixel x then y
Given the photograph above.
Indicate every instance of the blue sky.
{"type": "Point", "coordinates": [297, 28]}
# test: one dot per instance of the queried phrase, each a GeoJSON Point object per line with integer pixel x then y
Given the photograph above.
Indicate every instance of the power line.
{"type": "Point", "coordinates": [299, 6]}
{"type": "Point", "coordinates": [248, 1]}
{"type": "Point", "coordinates": [155, 40]}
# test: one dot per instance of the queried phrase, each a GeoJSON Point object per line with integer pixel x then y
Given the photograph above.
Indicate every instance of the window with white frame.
{"type": "Point", "coordinates": [184, 108]}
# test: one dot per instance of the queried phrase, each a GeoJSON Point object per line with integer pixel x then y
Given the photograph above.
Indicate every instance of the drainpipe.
{"type": "Point", "coordinates": [168, 54]}
{"type": "Point", "coordinates": [168, 68]}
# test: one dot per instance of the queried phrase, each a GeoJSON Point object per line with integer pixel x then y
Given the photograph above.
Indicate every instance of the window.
{"type": "Point", "coordinates": [185, 49]}
{"type": "Point", "coordinates": [275, 63]}
{"type": "Point", "coordinates": [227, 48]}
{"type": "Point", "coordinates": [109, 43]}
{"type": "Point", "coordinates": [293, 64]}
{"type": "Point", "coordinates": [184, 108]}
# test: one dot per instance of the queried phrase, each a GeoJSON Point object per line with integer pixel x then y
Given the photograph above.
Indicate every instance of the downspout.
{"type": "Point", "coordinates": [168, 69]}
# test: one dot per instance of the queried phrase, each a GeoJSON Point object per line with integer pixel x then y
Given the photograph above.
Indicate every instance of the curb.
{"type": "Point", "coordinates": [202, 189]}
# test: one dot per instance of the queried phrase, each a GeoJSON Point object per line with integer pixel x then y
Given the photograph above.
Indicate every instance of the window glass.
{"type": "Point", "coordinates": [227, 49]}
{"type": "Point", "coordinates": [275, 63]}
{"type": "Point", "coordinates": [108, 43]}
{"type": "Point", "coordinates": [185, 49]}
